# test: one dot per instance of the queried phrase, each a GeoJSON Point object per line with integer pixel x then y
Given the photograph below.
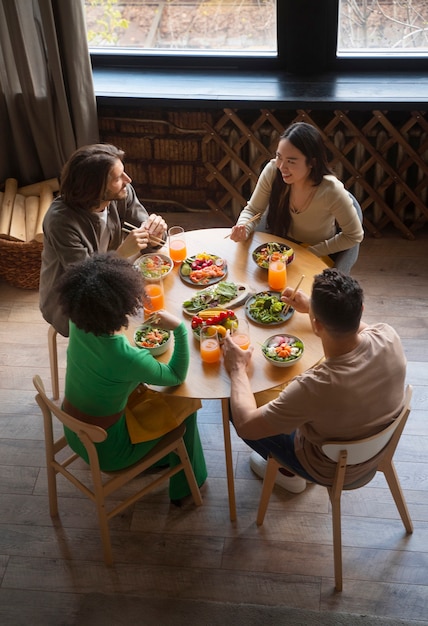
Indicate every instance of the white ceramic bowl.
{"type": "Point", "coordinates": [272, 344]}
{"type": "Point", "coordinates": [150, 265]}
{"type": "Point", "coordinates": [156, 349]}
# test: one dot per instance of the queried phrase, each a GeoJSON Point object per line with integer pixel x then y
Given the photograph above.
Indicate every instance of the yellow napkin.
{"type": "Point", "coordinates": [150, 414]}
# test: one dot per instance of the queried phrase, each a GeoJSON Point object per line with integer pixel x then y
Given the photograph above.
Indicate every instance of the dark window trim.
{"type": "Point", "coordinates": [307, 36]}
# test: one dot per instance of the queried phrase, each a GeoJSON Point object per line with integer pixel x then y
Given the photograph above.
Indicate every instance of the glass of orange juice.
{"type": "Point", "coordinates": [154, 296]}
{"type": "Point", "coordinates": [277, 272]}
{"type": "Point", "coordinates": [240, 334]}
{"type": "Point", "coordinates": [210, 345]}
{"type": "Point", "coordinates": [177, 244]}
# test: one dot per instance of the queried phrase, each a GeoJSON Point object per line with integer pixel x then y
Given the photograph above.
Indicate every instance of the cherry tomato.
{"type": "Point", "coordinates": [223, 316]}
{"type": "Point", "coordinates": [230, 313]}
{"type": "Point", "coordinates": [196, 321]}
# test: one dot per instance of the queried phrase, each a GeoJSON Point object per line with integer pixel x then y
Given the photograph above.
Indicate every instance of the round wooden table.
{"type": "Point", "coordinates": [212, 381]}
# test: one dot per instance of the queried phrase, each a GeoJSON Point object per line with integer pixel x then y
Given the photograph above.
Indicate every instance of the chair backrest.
{"type": "Point", "coordinates": [361, 450]}
{"type": "Point", "coordinates": [85, 432]}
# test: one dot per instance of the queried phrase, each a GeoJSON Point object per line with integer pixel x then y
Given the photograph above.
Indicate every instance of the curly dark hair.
{"type": "Point", "coordinates": [337, 301]}
{"type": "Point", "coordinates": [84, 177]}
{"type": "Point", "coordinates": [309, 141]}
{"type": "Point", "coordinates": [100, 293]}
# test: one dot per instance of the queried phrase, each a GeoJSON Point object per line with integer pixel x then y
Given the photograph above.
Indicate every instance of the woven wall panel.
{"type": "Point", "coordinates": [212, 159]}
{"type": "Point", "coordinates": [371, 153]}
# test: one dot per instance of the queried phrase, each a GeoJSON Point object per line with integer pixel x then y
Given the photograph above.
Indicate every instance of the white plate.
{"type": "Point", "coordinates": [243, 293]}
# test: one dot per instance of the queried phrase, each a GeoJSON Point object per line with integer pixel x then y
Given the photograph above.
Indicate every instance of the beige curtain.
{"type": "Point", "coordinates": [47, 101]}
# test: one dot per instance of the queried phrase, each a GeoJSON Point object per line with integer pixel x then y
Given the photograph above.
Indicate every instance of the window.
{"type": "Point", "coordinates": [383, 27]}
{"type": "Point", "coordinates": [209, 27]}
{"type": "Point", "coordinates": [307, 36]}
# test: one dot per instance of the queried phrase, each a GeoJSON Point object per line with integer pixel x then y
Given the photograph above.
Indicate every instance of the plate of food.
{"type": "Point", "coordinates": [218, 295]}
{"type": "Point", "coordinates": [220, 319]}
{"type": "Point", "coordinates": [154, 339]}
{"type": "Point", "coordinates": [203, 269]}
{"type": "Point", "coordinates": [283, 350]}
{"type": "Point", "coordinates": [153, 266]}
{"type": "Point", "coordinates": [274, 250]}
{"type": "Point", "coordinates": [267, 308]}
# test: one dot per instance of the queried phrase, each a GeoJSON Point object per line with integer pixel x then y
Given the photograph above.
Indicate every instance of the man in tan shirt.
{"type": "Point", "coordinates": [355, 392]}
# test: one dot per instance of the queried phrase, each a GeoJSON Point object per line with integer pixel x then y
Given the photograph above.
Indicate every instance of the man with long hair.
{"type": "Point", "coordinates": [96, 199]}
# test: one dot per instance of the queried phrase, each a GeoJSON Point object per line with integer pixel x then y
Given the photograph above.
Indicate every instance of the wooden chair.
{"type": "Point", "coordinates": [101, 488]}
{"type": "Point", "coordinates": [53, 361]}
{"type": "Point", "coordinates": [352, 453]}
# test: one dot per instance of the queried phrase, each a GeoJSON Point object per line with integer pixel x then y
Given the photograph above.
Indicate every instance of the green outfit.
{"type": "Point", "coordinates": [102, 371]}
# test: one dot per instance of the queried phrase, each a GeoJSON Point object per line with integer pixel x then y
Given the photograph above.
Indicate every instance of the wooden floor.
{"type": "Point", "coordinates": [46, 566]}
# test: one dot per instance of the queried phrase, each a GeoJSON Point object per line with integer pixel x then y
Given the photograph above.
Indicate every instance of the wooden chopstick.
{"type": "Point", "coordinates": [287, 308]}
{"type": "Point", "coordinates": [157, 240]}
{"type": "Point", "coordinates": [252, 219]}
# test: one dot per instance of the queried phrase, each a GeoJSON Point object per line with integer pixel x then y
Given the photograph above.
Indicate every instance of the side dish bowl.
{"type": "Point", "coordinates": [154, 266]}
{"type": "Point", "coordinates": [154, 339]}
{"type": "Point", "coordinates": [263, 253]}
{"type": "Point", "coordinates": [283, 350]}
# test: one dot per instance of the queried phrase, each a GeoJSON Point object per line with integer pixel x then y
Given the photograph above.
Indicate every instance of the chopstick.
{"type": "Point", "coordinates": [285, 311]}
{"type": "Point", "coordinates": [157, 240]}
{"type": "Point", "coordinates": [253, 219]}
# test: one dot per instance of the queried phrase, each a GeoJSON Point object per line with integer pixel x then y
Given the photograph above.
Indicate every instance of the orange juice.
{"type": "Point", "coordinates": [155, 295]}
{"type": "Point", "coordinates": [210, 350]}
{"type": "Point", "coordinates": [277, 275]}
{"type": "Point", "coordinates": [242, 340]}
{"type": "Point", "coordinates": [210, 345]}
{"type": "Point", "coordinates": [177, 250]}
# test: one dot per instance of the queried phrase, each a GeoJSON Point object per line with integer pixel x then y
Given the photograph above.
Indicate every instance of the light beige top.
{"type": "Point", "coordinates": [330, 206]}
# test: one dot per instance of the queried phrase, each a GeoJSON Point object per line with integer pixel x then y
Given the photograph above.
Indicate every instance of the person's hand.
{"type": "Point", "coordinates": [300, 302]}
{"type": "Point", "coordinates": [239, 233]}
{"type": "Point", "coordinates": [135, 241]}
{"type": "Point", "coordinates": [155, 225]}
{"type": "Point", "coordinates": [163, 319]}
{"type": "Point", "coordinates": [235, 357]}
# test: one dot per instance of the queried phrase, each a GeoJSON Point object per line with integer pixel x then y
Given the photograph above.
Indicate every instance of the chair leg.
{"type": "Point", "coordinates": [337, 539]}
{"type": "Point", "coordinates": [190, 476]}
{"type": "Point", "coordinates": [105, 533]}
{"type": "Point", "coordinates": [397, 493]}
{"type": "Point", "coordinates": [267, 488]}
{"type": "Point", "coordinates": [52, 491]}
{"type": "Point", "coordinates": [53, 361]}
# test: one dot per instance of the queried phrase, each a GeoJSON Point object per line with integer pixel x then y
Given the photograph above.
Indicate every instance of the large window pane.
{"type": "Point", "coordinates": [209, 27]}
{"type": "Point", "coordinates": [383, 27]}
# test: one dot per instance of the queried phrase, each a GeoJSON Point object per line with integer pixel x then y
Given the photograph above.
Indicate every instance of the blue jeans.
{"type": "Point", "coordinates": [281, 447]}
{"type": "Point", "coordinates": [345, 260]}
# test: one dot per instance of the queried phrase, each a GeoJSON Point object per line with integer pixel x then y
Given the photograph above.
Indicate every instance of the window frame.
{"type": "Point", "coordinates": [306, 42]}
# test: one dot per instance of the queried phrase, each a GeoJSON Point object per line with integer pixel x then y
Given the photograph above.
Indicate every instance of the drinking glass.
{"type": "Point", "coordinates": [277, 273]}
{"type": "Point", "coordinates": [240, 334]}
{"type": "Point", "coordinates": [210, 345]}
{"type": "Point", "coordinates": [177, 244]}
{"type": "Point", "coordinates": [154, 296]}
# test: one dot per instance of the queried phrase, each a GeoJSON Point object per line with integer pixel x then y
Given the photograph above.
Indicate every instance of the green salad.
{"type": "Point", "coordinates": [214, 296]}
{"type": "Point", "coordinates": [265, 308]}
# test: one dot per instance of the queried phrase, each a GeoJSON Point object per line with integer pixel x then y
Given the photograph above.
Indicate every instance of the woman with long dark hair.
{"type": "Point", "coordinates": [301, 199]}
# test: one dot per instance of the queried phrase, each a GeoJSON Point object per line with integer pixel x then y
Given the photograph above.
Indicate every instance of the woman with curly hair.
{"type": "Point", "coordinates": [300, 198]}
{"type": "Point", "coordinates": [98, 295]}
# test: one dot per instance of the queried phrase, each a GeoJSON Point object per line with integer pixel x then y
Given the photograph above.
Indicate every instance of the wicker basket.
{"type": "Point", "coordinates": [20, 262]}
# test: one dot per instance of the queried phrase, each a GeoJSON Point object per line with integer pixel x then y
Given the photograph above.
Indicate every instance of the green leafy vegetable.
{"type": "Point", "coordinates": [213, 296]}
{"type": "Point", "coordinates": [266, 308]}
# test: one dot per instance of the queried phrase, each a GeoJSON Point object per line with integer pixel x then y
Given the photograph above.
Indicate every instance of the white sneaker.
{"type": "Point", "coordinates": [294, 484]}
